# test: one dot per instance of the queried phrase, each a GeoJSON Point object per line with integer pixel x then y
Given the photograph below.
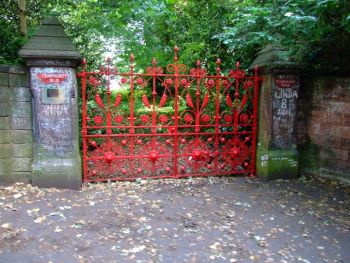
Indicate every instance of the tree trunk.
{"type": "Point", "coordinates": [22, 17]}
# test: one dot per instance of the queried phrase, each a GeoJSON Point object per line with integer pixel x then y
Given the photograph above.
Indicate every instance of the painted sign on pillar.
{"type": "Point", "coordinates": [285, 89]}
{"type": "Point", "coordinates": [52, 91]}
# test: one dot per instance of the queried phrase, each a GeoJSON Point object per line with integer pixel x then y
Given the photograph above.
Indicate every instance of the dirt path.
{"type": "Point", "coordinates": [189, 220]}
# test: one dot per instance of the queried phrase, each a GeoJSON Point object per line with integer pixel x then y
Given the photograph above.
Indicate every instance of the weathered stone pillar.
{"type": "Point", "coordinates": [277, 155]}
{"type": "Point", "coordinates": [52, 60]}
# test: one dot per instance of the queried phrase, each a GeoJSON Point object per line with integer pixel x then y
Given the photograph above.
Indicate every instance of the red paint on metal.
{"type": "Point", "coordinates": [171, 123]}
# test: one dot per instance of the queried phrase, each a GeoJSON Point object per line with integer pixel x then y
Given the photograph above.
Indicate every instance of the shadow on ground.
{"type": "Point", "coordinates": [187, 220]}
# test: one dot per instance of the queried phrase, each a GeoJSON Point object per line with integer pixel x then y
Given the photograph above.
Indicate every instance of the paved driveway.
{"type": "Point", "coordinates": [187, 220]}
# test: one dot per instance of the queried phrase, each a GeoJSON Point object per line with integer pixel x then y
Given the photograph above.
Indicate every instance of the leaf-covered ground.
{"type": "Point", "coordinates": [187, 220]}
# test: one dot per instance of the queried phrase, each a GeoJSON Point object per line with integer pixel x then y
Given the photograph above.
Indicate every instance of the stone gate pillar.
{"type": "Point", "coordinates": [52, 60]}
{"type": "Point", "coordinates": [277, 154]}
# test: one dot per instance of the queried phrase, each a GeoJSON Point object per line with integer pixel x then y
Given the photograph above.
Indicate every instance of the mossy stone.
{"type": "Point", "coordinates": [277, 163]}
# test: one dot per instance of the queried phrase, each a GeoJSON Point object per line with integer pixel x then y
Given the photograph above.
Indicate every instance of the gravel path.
{"type": "Point", "coordinates": [187, 220]}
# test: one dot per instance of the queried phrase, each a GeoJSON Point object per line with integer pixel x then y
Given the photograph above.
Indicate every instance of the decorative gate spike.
{"type": "Point", "coordinates": [145, 101]}
{"type": "Point", "coordinates": [205, 100]}
{"type": "Point", "coordinates": [189, 100]}
{"type": "Point", "coordinates": [117, 100]}
{"type": "Point", "coordinates": [228, 100]}
{"type": "Point", "coordinates": [99, 101]}
{"type": "Point", "coordinates": [162, 100]}
{"type": "Point", "coordinates": [244, 101]}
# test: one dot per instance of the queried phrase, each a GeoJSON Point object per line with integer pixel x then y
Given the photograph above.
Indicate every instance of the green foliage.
{"type": "Point", "coordinates": [96, 27]}
{"type": "Point", "coordinates": [315, 31]}
{"type": "Point", "coordinates": [10, 42]}
{"type": "Point", "coordinates": [190, 25]}
{"type": "Point", "coordinates": [10, 37]}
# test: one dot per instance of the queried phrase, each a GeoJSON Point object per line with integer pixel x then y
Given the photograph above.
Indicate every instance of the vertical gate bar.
{"type": "Point", "coordinates": [255, 112]}
{"type": "Point", "coordinates": [109, 122]}
{"type": "Point", "coordinates": [84, 116]}
{"type": "Point", "coordinates": [154, 115]}
{"type": "Point", "coordinates": [217, 115]}
{"type": "Point", "coordinates": [175, 153]}
{"type": "Point", "coordinates": [154, 95]}
{"type": "Point", "coordinates": [197, 112]}
{"type": "Point", "coordinates": [131, 109]}
{"type": "Point", "coordinates": [236, 107]}
{"type": "Point", "coordinates": [108, 110]}
{"type": "Point", "coordinates": [198, 93]}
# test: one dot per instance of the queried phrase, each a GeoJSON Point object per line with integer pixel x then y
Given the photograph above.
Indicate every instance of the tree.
{"type": "Point", "coordinates": [191, 25]}
{"type": "Point", "coordinates": [11, 37]}
{"type": "Point", "coordinates": [22, 17]}
{"type": "Point", "coordinates": [316, 32]}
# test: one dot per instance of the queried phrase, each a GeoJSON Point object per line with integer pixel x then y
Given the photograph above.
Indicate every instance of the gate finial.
{"type": "Point", "coordinates": [83, 63]}
{"type": "Point", "coordinates": [218, 63]}
{"type": "Point", "coordinates": [176, 50]}
{"type": "Point", "coordinates": [132, 58]}
{"type": "Point", "coordinates": [154, 62]}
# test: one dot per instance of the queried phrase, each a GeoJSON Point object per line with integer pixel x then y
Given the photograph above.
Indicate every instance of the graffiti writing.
{"type": "Point", "coordinates": [284, 100]}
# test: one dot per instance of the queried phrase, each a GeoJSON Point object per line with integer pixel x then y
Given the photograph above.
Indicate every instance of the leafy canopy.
{"type": "Point", "coordinates": [316, 32]}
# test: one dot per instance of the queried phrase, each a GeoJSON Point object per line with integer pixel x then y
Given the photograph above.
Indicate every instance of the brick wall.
{"type": "Point", "coordinates": [324, 126]}
{"type": "Point", "coordinates": [16, 134]}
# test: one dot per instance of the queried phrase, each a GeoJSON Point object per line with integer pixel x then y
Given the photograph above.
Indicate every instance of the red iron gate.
{"type": "Point", "coordinates": [172, 124]}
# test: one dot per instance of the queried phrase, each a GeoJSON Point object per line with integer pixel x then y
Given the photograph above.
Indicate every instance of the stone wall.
{"type": "Point", "coordinates": [16, 134]}
{"type": "Point", "coordinates": [324, 126]}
